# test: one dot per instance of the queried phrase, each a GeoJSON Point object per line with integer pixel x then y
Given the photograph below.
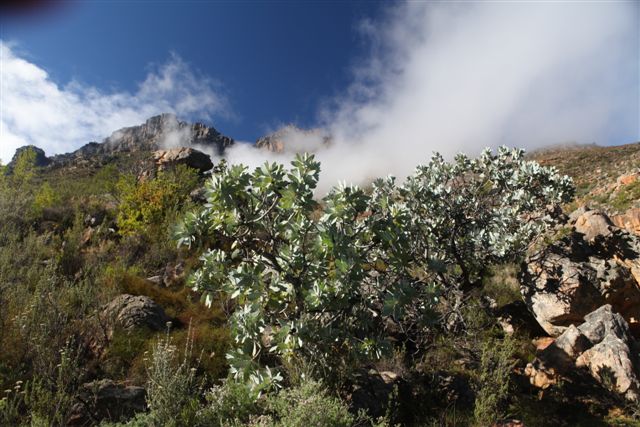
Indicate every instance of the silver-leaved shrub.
{"type": "Point", "coordinates": [321, 280]}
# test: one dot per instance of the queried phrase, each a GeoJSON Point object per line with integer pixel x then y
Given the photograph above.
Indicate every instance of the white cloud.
{"type": "Point", "coordinates": [459, 77]}
{"type": "Point", "coordinates": [36, 110]}
{"type": "Point", "coordinates": [453, 77]}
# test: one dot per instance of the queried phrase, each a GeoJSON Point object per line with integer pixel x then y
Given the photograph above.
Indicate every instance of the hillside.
{"type": "Point", "coordinates": [594, 169]}
{"type": "Point", "coordinates": [606, 178]}
{"type": "Point", "coordinates": [105, 320]}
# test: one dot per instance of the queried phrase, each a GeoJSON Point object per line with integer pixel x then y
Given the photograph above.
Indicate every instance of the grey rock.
{"type": "Point", "coordinates": [602, 322]}
{"type": "Point", "coordinates": [596, 264]}
{"type": "Point", "coordinates": [160, 132]}
{"type": "Point", "coordinates": [129, 312]}
{"type": "Point", "coordinates": [166, 159]}
{"type": "Point", "coordinates": [564, 350]}
{"type": "Point", "coordinates": [604, 346]}
{"type": "Point", "coordinates": [103, 400]}
{"type": "Point", "coordinates": [560, 292]}
{"type": "Point", "coordinates": [613, 364]}
{"type": "Point", "coordinates": [41, 160]}
{"type": "Point", "coordinates": [594, 225]}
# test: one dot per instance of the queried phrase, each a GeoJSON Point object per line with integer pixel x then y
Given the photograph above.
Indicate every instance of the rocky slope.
{"type": "Point", "coordinates": [598, 172]}
{"type": "Point", "coordinates": [578, 298]}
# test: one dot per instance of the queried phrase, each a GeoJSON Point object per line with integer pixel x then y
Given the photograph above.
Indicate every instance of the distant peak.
{"type": "Point", "coordinates": [40, 158]}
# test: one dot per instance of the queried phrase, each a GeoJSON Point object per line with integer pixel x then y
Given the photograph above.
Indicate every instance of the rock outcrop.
{"type": "Point", "coordinates": [595, 264]}
{"type": "Point", "coordinates": [372, 390]}
{"type": "Point", "coordinates": [106, 400]}
{"type": "Point", "coordinates": [630, 220]}
{"type": "Point", "coordinates": [627, 179]}
{"type": "Point", "coordinates": [129, 312]}
{"type": "Point", "coordinates": [40, 158]}
{"type": "Point", "coordinates": [166, 159]}
{"type": "Point", "coordinates": [603, 344]}
{"type": "Point", "coordinates": [163, 131]}
{"type": "Point", "coordinates": [292, 139]}
{"type": "Point", "coordinates": [160, 132]}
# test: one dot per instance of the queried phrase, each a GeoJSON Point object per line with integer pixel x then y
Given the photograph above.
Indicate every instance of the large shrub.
{"type": "Point", "coordinates": [320, 279]}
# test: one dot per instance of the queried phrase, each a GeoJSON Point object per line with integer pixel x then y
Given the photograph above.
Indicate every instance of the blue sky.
{"type": "Point", "coordinates": [392, 82]}
{"type": "Point", "coordinates": [274, 60]}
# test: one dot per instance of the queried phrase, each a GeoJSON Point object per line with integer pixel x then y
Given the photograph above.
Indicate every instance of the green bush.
{"type": "Point", "coordinates": [320, 280]}
{"type": "Point", "coordinates": [45, 197]}
{"type": "Point", "coordinates": [496, 365]}
{"type": "Point", "coordinates": [308, 405]}
{"type": "Point", "coordinates": [229, 404]}
{"type": "Point", "coordinates": [172, 390]}
{"type": "Point", "coordinates": [146, 203]}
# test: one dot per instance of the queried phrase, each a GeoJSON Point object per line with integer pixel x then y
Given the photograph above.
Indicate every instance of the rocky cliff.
{"type": "Point", "coordinates": [159, 132]}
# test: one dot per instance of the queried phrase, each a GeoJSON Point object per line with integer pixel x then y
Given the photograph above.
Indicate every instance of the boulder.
{"type": "Point", "coordinates": [594, 225]}
{"type": "Point", "coordinates": [515, 316]}
{"type": "Point", "coordinates": [604, 346]}
{"type": "Point", "coordinates": [129, 312]}
{"type": "Point", "coordinates": [372, 389]}
{"type": "Point", "coordinates": [630, 220]}
{"type": "Point", "coordinates": [165, 159]}
{"type": "Point", "coordinates": [565, 349]}
{"type": "Point", "coordinates": [602, 322]}
{"type": "Point", "coordinates": [539, 375]}
{"type": "Point", "coordinates": [595, 264]}
{"type": "Point", "coordinates": [106, 400]}
{"type": "Point", "coordinates": [613, 365]}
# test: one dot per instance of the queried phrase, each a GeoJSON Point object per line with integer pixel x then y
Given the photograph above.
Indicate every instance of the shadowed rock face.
{"type": "Point", "coordinates": [166, 159]}
{"type": "Point", "coordinates": [41, 159]}
{"type": "Point", "coordinates": [596, 264]}
{"type": "Point", "coordinates": [106, 400]}
{"type": "Point", "coordinates": [604, 346]}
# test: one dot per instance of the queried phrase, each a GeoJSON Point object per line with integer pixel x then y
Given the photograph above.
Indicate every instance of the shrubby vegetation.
{"type": "Point", "coordinates": [322, 280]}
{"type": "Point", "coordinates": [61, 260]}
{"type": "Point", "coordinates": [146, 203]}
{"type": "Point", "coordinates": [310, 300]}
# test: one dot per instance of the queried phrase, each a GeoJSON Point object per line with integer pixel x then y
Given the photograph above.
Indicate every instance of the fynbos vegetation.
{"type": "Point", "coordinates": [143, 297]}
{"type": "Point", "coordinates": [321, 280]}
